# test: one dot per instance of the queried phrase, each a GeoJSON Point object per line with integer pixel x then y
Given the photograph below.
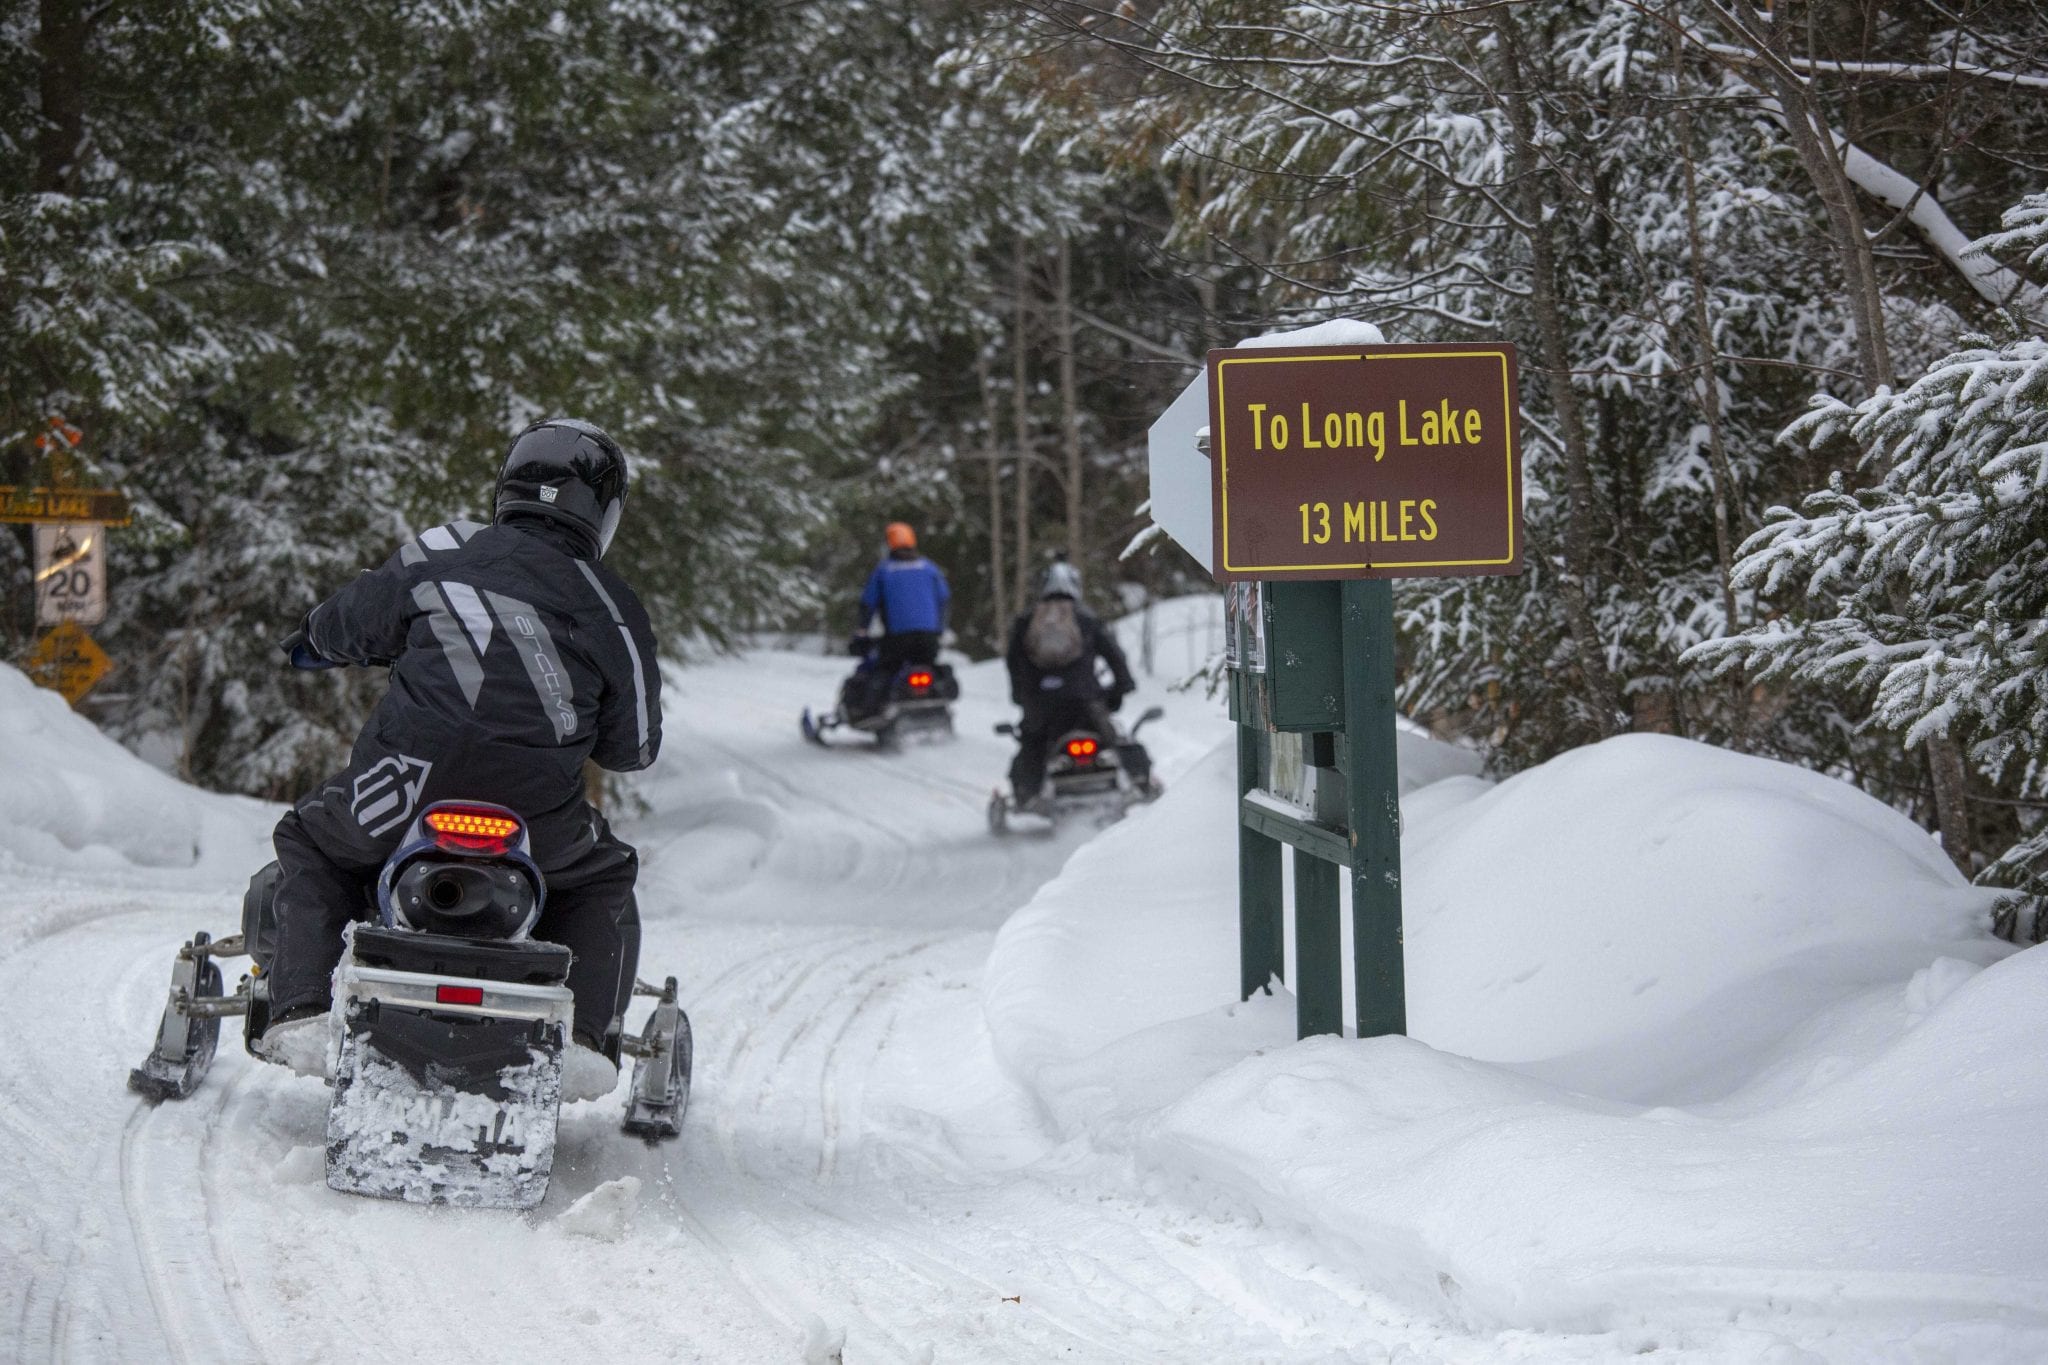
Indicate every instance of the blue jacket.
{"type": "Point", "coordinates": [911, 594]}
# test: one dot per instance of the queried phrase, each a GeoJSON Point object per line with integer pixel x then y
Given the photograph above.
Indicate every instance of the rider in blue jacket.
{"type": "Point", "coordinates": [907, 593]}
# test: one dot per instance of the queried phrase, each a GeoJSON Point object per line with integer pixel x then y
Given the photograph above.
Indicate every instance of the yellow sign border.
{"type": "Point", "coordinates": [1223, 460]}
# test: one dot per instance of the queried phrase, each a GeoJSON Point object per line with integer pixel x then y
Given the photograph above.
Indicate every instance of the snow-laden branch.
{"type": "Point", "coordinates": [1896, 190]}
{"type": "Point", "coordinates": [1893, 188]}
{"type": "Point", "coordinates": [1900, 71]}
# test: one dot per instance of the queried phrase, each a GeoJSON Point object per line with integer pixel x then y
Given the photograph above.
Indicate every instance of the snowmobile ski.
{"type": "Point", "coordinates": [189, 1032]}
{"type": "Point", "coordinates": [661, 1070]}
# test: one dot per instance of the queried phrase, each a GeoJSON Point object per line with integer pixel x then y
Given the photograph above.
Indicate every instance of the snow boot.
{"type": "Point", "coordinates": [301, 1039]}
{"type": "Point", "coordinates": [587, 1074]}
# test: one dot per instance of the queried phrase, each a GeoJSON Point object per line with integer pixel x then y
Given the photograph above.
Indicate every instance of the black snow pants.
{"type": "Point", "coordinates": [327, 872]}
{"type": "Point", "coordinates": [868, 689]}
{"type": "Point", "coordinates": [1045, 720]}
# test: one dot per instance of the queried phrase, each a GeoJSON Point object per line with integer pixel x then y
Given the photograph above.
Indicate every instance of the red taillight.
{"type": "Point", "coordinates": [1083, 749]}
{"type": "Point", "coordinates": [919, 682]}
{"type": "Point", "coordinates": [474, 829]}
{"type": "Point", "coordinates": [458, 995]}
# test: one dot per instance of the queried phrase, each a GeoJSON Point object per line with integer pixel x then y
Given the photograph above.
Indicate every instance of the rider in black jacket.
{"type": "Point", "coordinates": [1056, 684]}
{"type": "Point", "coordinates": [515, 655]}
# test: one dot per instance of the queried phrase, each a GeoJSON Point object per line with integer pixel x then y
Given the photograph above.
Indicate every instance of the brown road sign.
{"type": "Point", "coordinates": [107, 505]}
{"type": "Point", "coordinates": [68, 660]}
{"type": "Point", "coordinates": [1365, 461]}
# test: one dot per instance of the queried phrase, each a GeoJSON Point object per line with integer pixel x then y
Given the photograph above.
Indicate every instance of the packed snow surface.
{"type": "Point", "coordinates": [1712, 1060]}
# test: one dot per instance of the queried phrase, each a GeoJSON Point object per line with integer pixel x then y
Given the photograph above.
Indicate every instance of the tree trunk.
{"type": "Point", "coordinates": [1020, 399]}
{"type": "Point", "coordinates": [1950, 775]}
{"type": "Point", "coordinates": [999, 615]}
{"type": "Point", "coordinates": [1703, 343]}
{"type": "Point", "coordinates": [1807, 127]}
{"type": "Point", "coordinates": [1596, 683]}
{"type": "Point", "coordinates": [60, 46]}
{"type": "Point", "coordinates": [1070, 416]}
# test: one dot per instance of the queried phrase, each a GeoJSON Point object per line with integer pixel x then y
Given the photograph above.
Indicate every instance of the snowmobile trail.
{"type": "Point", "coordinates": [854, 1161]}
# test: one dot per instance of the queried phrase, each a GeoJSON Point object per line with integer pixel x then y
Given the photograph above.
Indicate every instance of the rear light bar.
{"type": "Point", "coordinates": [471, 828]}
{"type": "Point", "coordinates": [919, 681]}
{"type": "Point", "coordinates": [1082, 748]}
{"type": "Point", "coordinates": [458, 995]}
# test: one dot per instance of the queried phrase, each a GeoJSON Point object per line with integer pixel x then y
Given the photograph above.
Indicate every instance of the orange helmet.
{"type": "Point", "coordinates": [899, 536]}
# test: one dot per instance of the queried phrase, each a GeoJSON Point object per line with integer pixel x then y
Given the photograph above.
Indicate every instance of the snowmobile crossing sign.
{"type": "Point", "coordinates": [69, 661]}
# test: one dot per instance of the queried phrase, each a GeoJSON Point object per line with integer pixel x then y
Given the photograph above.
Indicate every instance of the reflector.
{"type": "Point", "coordinates": [459, 995]}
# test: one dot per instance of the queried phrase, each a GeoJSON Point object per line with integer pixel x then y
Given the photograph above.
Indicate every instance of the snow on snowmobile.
{"type": "Point", "coordinates": [915, 703]}
{"type": "Point", "coordinates": [1086, 772]}
{"type": "Point", "coordinates": [452, 1022]}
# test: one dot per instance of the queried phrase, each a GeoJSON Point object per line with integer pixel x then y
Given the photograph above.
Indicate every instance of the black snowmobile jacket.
{"type": "Point", "coordinates": [1031, 685]}
{"type": "Point", "coordinates": [513, 659]}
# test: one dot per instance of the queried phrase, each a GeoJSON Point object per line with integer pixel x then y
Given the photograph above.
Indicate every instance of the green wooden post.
{"type": "Point", "coordinates": [1373, 796]}
{"type": "Point", "coordinates": [1318, 947]}
{"type": "Point", "coordinates": [1261, 942]}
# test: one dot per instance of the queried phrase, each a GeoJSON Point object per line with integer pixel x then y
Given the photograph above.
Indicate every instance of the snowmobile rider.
{"type": "Point", "coordinates": [515, 655]}
{"type": "Point", "coordinates": [908, 593]}
{"type": "Point", "coordinates": [1051, 657]}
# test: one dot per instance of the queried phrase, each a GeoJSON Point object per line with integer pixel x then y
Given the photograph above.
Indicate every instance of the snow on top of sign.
{"type": "Point", "coordinates": [1335, 332]}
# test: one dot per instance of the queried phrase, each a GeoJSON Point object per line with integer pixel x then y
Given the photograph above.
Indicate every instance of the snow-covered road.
{"type": "Point", "coordinates": [1130, 1167]}
{"type": "Point", "coordinates": [854, 1163]}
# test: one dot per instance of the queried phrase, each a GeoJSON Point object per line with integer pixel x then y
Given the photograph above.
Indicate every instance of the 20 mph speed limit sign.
{"type": "Point", "coordinates": [71, 573]}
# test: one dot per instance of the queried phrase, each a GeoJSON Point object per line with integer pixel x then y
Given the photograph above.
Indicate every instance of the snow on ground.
{"type": "Point", "coordinates": [955, 1104]}
{"type": "Point", "coordinates": [1707, 1053]}
{"type": "Point", "coordinates": [70, 797]}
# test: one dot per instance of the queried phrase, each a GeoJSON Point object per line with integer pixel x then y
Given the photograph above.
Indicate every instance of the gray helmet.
{"type": "Point", "coordinates": [1061, 580]}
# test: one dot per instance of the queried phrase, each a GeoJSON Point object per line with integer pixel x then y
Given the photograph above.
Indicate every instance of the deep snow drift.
{"type": "Point", "coordinates": [1644, 922]}
{"type": "Point", "coordinates": [71, 797]}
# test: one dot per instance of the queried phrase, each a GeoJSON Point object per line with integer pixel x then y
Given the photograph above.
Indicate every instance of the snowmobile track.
{"type": "Point", "coordinates": [166, 1192]}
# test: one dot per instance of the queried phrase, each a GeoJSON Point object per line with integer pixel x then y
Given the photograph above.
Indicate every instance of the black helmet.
{"type": "Point", "coordinates": [569, 471]}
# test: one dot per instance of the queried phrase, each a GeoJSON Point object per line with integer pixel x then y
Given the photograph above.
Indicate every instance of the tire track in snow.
{"type": "Point", "coordinates": [167, 1192]}
{"type": "Point", "coordinates": [835, 1009]}
{"type": "Point", "coordinates": [69, 1149]}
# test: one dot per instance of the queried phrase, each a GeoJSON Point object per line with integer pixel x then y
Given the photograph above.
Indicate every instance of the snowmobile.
{"type": "Point", "coordinates": [452, 1022]}
{"type": "Point", "coordinates": [1087, 771]}
{"type": "Point", "coordinates": [916, 704]}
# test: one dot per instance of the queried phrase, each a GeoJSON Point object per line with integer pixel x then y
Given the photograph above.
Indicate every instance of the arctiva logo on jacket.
{"type": "Point", "coordinates": [387, 791]}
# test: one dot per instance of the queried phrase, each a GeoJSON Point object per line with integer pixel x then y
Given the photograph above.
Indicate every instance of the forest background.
{"type": "Point", "coordinates": [296, 271]}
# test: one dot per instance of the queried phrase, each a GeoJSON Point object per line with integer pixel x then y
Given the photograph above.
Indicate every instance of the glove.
{"type": "Point", "coordinates": [858, 646]}
{"type": "Point", "coordinates": [1115, 700]}
{"type": "Point", "coordinates": [298, 651]}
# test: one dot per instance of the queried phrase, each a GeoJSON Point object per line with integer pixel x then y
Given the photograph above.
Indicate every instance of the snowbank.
{"type": "Point", "coordinates": [71, 797]}
{"type": "Point", "coordinates": [1643, 921]}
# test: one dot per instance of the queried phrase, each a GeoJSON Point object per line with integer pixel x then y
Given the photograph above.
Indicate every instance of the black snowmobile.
{"type": "Point", "coordinates": [452, 1022]}
{"type": "Point", "coordinates": [916, 702]}
{"type": "Point", "coordinates": [1086, 772]}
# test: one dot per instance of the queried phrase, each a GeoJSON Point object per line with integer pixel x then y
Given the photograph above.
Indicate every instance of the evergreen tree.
{"type": "Point", "coordinates": [1926, 589]}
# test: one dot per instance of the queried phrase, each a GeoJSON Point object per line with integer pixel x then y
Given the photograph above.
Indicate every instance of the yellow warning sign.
{"type": "Point", "coordinates": [68, 660]}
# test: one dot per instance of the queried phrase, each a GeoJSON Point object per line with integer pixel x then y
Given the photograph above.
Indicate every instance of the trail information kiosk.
{"type": "Point", "coordinates": [1331, 470]}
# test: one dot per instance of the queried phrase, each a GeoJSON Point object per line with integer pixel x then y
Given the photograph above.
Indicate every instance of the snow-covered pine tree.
{"type": "Point", "coordinates": [1926, 588]}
